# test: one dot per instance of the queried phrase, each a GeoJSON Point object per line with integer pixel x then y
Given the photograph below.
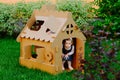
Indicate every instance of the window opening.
{"type": "Point", "coordinates": [33, 52]}
{"type": "Point", "coordinates": [68, 26]}
{"type": "Point", "coordinates": [71, 26]}
{"type": "Point", "coordinates": [37, 25]}
{"type": "Point", "coordinates": [49, 31]}
{"type": "Point", "coordinates": [69, 30]}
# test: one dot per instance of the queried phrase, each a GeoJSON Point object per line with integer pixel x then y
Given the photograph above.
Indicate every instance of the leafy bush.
{"type": "Point", "coordinates": [102, 59]}
{"type": "Point", "coordinates": [108, 13]}
{"type": "Point", "coordinates": [80, 10]}
{"type": "Point", "coordinates": [14, 17]}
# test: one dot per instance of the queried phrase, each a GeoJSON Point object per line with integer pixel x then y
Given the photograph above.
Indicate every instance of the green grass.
{"type": "Point", "coordinates": [10, 69]}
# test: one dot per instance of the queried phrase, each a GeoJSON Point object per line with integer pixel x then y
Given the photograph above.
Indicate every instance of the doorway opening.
{"type": "Point", "coordinates": [78, 53]}
{"type": "Point", "coordinates": [71, 52]}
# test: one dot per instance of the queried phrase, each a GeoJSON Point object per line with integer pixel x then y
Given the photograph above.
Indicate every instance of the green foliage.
{"type": "Point", "coordinates": [108, 12]}
{"type": "Point", "coordinates": [79, 9]}
{"type": "Point", "coordinates": [102, 59]}
{"type": "Point", "coordinates": [14, 17]}
{"type": "Point", "coordinates": [102, 63]}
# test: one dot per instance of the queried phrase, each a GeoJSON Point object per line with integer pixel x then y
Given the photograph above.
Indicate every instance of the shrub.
{"type": "Point", "coordinates": [14, 17]}
{"type": "Point", "coordinates": [102, 59]}
{"type": "Point", "coordinates": [108, 13]}
{"type": "Point", "coordinates": [80, 10]}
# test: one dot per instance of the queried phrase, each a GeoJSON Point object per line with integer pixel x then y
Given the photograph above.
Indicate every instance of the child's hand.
{"type": "Point", "coordinates": [63, 55]}
{"type": "Point", "coordinates": [66, 56]}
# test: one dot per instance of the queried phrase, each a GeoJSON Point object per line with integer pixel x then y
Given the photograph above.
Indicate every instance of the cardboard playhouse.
{"type": "Point", "coordinates": [41, 40]}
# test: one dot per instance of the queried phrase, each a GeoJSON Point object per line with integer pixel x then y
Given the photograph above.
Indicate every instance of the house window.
{"type": "Point", "coordinates": [33, 52]}
{"type": "Point", "coordinates": [36, 51]}
{"type": "Point", "coordinates": [71, 26]}
{"type": "Point", "coordinates": [37, 25]}
{"type": "Point", "coordinates": [69, 29]}
{"type": "Point", "coordinates": [67, 32]}
{"type": "Point", "coordinates": [67, 26]}
{"type": "Point", "coordinates": [48, 31]}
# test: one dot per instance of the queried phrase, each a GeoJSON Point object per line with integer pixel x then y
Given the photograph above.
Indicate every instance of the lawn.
{"type": "Point", "coordinates": [10, 69]}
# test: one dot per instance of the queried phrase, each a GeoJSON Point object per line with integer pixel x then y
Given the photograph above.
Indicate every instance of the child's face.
{"type": "Point", "coordinates": [68, 44]}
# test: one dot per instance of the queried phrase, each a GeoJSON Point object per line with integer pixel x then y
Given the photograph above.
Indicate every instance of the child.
{"type": "Point", "coordinates": [67, 52]}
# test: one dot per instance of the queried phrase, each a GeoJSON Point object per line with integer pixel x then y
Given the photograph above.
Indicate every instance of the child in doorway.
{"type": "Point", "coordinates": [67, 52]}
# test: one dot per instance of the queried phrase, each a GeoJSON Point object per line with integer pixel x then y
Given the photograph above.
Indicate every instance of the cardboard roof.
{"type": "Point", "coordinates": [53, 20]}
{"type": "Point", "coordinates": [54, 24]}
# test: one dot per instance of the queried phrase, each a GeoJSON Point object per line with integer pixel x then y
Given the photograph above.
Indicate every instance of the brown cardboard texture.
{"type": "Point", "coordinates": [41, 40]}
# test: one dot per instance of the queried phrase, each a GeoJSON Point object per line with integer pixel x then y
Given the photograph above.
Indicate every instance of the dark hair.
{"type": "Point", "coordinates": [68, 39]}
